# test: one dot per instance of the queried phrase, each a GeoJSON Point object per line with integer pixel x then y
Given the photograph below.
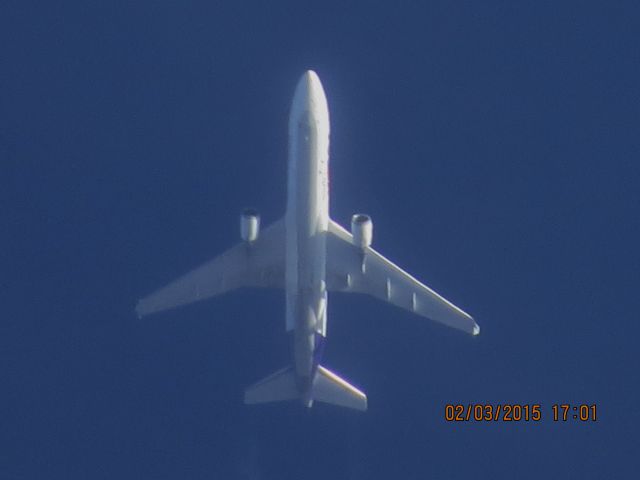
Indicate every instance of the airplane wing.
{"type": "Point", "coordinates": [350, 269]}
{"type": "Point", "coordinates": [259, 264]}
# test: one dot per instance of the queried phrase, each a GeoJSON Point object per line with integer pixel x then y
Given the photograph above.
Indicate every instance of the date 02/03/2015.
{"type": "Point", "coordinates": [516, 412]}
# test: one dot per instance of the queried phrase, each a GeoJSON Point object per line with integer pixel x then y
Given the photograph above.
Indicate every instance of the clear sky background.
{"type": "Point", "coordinates": [495, 145]}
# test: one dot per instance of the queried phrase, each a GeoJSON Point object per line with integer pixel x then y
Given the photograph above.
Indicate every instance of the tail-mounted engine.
{"type": "Point", "coordinates": [249, 225]}
{"type": "Point", "coordinates": [362, 230]}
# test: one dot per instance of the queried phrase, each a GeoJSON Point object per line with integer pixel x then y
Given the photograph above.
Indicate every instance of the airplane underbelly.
{"type": "Point", "coordinates": [307, 220]}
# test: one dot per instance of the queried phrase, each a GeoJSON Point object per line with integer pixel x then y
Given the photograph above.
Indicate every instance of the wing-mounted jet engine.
{"type": "Point", "coordinates": [249, 225]}
{"type": "Point", "coordinates": [362, 232]}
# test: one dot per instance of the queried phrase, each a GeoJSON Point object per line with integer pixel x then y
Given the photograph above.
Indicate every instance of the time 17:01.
{"type": "Point", "coordinates": [565, 411]}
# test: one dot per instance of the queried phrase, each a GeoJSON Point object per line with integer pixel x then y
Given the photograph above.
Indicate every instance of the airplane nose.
{"type": "Point", "coordinates": [308, 83]}
{"type": "Point", "coordinates": [309, 95]}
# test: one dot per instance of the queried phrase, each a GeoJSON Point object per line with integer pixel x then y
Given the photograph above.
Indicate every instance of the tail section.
{"type": "Point", "coordinates": [326, 387]}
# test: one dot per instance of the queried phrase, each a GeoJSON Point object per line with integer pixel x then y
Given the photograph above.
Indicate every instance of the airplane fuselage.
{"type": "Point", "coordinates": [307, 219]}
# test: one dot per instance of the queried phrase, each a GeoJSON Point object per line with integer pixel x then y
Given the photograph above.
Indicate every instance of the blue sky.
{"type": "Point", "coordinates": [495, 145]}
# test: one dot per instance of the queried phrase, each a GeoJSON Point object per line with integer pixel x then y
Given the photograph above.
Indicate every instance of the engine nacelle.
{"type": "Point", "coordinates": [362, 230]}
{"type": "Point", "coordinates": [249, 225]}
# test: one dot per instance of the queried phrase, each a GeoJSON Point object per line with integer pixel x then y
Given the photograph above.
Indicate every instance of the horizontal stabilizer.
{"type": "Point", "coordinates": [277, 387]}
{"type": "Point", "coordinates": [330, 388]}
{"type": "Point", "coordinates": [327, 387]}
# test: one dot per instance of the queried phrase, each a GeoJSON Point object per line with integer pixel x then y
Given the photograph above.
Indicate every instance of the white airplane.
{"type": "Point", "coordinates": [308, 255]}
